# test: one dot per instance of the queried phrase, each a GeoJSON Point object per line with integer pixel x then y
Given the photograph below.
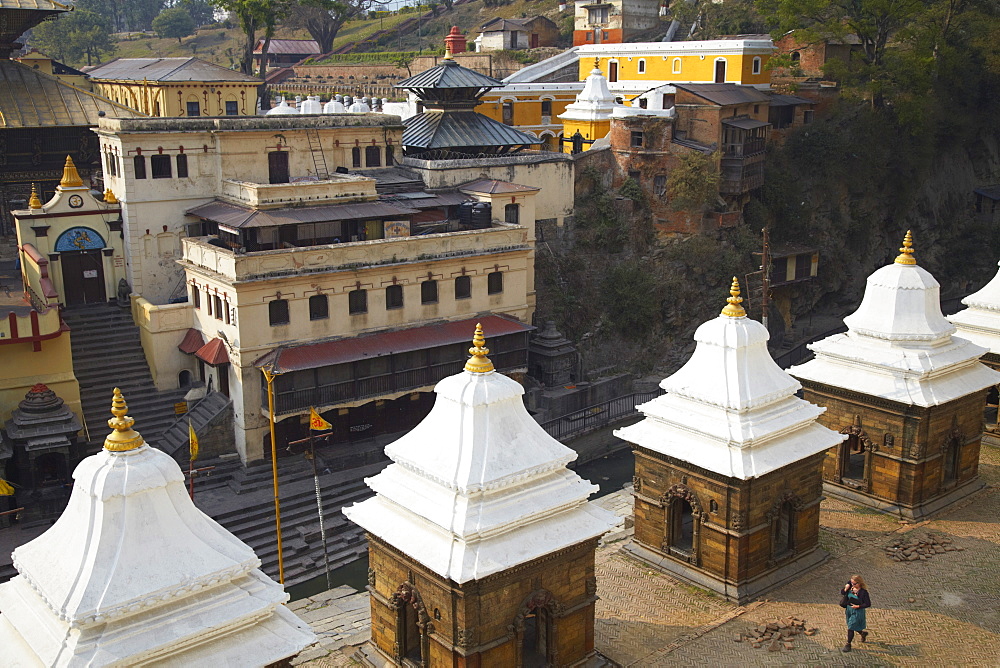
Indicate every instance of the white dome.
{"type": "Point", "coordinates": [334, 107]}
{"type": "Point", "coordinates": [282, 109]}
{"type": "Point", "coordinates": [311, 105]}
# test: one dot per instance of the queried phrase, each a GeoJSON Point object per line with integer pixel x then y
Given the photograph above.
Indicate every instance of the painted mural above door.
{"type": "Point", "coordinates": [79, 238]}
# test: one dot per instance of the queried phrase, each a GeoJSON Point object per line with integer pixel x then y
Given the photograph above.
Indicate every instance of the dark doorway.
{"type": "Point", "coordinates": [50, 469]}
{"type": "Point", "coordinates": [536, 639]}
{"type": "Point", "coordinates": [852, 458]}
{"type": "Point", "coordinates": [411, 634]}
{"type": "Point", "coordinates": [224, 379]}
{"type": "Point", "coordinates": [277, 167]}
{"type": "Point", "coordinates": [720, 71]}
{"type": "Point", "coordinates": [184, 379]}
{"type": "Point", "coordinates": [952, 461]}
{"type": "Point", "coordinates": [681, 525]}
{"type": "Point", "coordinates": [785, 529]}
{"type": "Point", "coordinates": [534, 40]}
{"type": "Point", "coordinates": [83, 277]}
{"type": "Point", "coordinates": [612, 71]}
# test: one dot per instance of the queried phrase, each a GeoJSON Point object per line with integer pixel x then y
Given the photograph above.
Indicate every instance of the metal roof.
{"type": "Point", "coordinates": [166, 69]}
{"type": "Point", "coordinates": [193, 341]}
{"type": "Point", "coordinates": [461, 129]}
{"type": "Point", "coordinates": [725, 94]}
{"type": "Point", "coordinates": [289, 46]}
{"type": "Point", "coordinates": [213, 353]}
{"type": "Point", "coordinates": [31, 99]}
{"type": "Point", "coordinates": [234, 215]}
{"type": "Point", "coordinates": [449, 74]}
{"type": "Point", "coordinates": [43, 5]}
{"type": "Point", "coordinates": [366, 346]}
{"type": "Point", "coordinates": [744, 123]}
{"type": "Point", "coordinates": [991, 192]}
{"type": "Point", "coordinates": [495, 187]}
{"type": "Point", "coordinates": [788, 100]}
{"type": "Point", "coordinates": [500, 23]}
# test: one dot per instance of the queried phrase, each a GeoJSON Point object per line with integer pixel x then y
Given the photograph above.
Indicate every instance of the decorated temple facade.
{"type": "Point", "coordinates": [908, 393]}
{"type": "Point", "coordinates": [727, 466]}
{"type": "Point", "coordinates": [481, 541]}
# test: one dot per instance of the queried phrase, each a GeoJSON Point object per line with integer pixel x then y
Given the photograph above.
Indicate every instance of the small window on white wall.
{"type": "Point", "coordinates": [677, 66]}
{"type": "Point", "coordinates": [756, 65]}
{"type": "Point", "coordinates": [642, 66]}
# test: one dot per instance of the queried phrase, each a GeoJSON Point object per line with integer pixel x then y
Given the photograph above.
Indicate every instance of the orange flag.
{"type": "Point", "coordinates": [317, 423]}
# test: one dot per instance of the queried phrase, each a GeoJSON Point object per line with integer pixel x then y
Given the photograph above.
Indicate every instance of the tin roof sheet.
{"type": "Point", "coordinates": [193, 341]}
{"type": "Point", "coordinates": [43, 5]}
{"type": "Point", "coordinates": [213, 353]}
{"type": "Point", "coordinates": [460, 129]}
{"type": "Point", "coordinates": [725, 94]}
{"type": "Point", "coordinates": [340, 351]}
{"type": "Point", "coordinates": [493, 187]}
{"type": "Point", "coordinates": [289, 46]}
{"type": "Point", "coordinates": [449, 74]}
{"type": "Point", "coordinates": [744, 123]}
{"type": "Point", "coordinates": [778, 100]}
{"type": "Point", "coordinates": [234, 215]}
{"type": "Point", "coordinates": [32, 99]}
{"type": "Point", "coordinates": [166, 69]}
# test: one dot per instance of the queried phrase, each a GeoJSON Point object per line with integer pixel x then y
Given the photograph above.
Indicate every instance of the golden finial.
{"type": "Point", "coordinates": [109, 197]}
{"type": "Point", "coordinates": [34, 202]}
{"type": "Point", "coordinates": [906, 252]}
{"type": "Point", "coordinates": [71, 177]}
{"type": "Point", "coordinates": [597, 63]}
{"type": "Point", "coordinates": [479, 362]}
{"type": "Point", "coordinates": [123, 438]}
{"type": "Point", "coordinates": [447, 51]}
{"type": "Point", "coordinates": [733, 308]}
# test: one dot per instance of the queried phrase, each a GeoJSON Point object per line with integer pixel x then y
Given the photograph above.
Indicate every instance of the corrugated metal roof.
{"type": "Point", "coordinates": [460, 129]}
{"type": "Point", "coordinates": [424, 200]}
{"type": "Point", "coordinates": [725, 93]}
{"type": "Point", "coordinates": [193, 341]}
{"type": "Point", "coordinates": [292, 47]}
{"type": "Point", "coordinates": [213, 352]}
{"type": "Point", "coordinates": [494, 187]}
{"type": "Point", "coordinates": [449, 74]}
{"type": "Point", "coordinates": [788, 100]}
{"type": "Point", "coordinates": [340, 351]}
{"type": "Point", "coordinates": [233, 215]}
{"type": "Point", "coordinates": [32, 99]}
{"type": "Point", "coordinates": [498, 24]}
{"type": "Point", "coordinates": [44, 5]}
{"type": "Point", "coordinates": [166, 69]}
{"type": "Point", "coordinates": [744, 123]}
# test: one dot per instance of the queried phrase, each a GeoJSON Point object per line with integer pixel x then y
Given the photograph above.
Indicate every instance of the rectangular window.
{"type": "Point", "coordinates": [196, 297]}
{"type": "Point", "coordinates": [636, 139]}
{"type": "Point", "coordinates": [139, 164]}
{"type": "Point", "coordinates": [546, 107]}
{"type": "Point", "coordinates": [355, 157]}
{"type": "Point", "coordinates": [217, 302]}
{"type": "Point", "coordinates": [494, 282]}
{"type": "Point", "coordinates": [193, 109]}
{"type": "Point", "coordinates": [635, 175]}
{"type": "Point", "coordinates": [390, 158]}
{"type": "Point", "coordinates": [319, 307]}
{"type": "Point", "coordinates": [807, 116]}
{"type": "Point", "coordinates": [232, 108]}
{"type": "Point", "coordinates": [357, 302]}
{"type": "Point", "coordinates": [160, 166]}
{"type": "Point", "coordinates": [277, 312]}
{"type": "Point", "coordinates": [394, 297]}
{"type": "Point", "coordinates": [373, 156]}
{"type": "Point", "coordinates": [463, 287]}
{"type": "Point", "coordinates": [660, 185]}
{"type": "Point", "coordinates": [643, 103]}
{"type": "Point", "coordinates": [225, 307]}
{"type": "Point", "coordinates": [507, 113]}
{"type": "Point", "coordinates": [182, 166]}
{"type": "Point", "coordinates": [429, 292]}
{"type": "Point", "coordinates": [208, 301]}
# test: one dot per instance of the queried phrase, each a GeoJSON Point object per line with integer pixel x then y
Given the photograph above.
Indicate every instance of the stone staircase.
{"type": "Point", "coordinates": [107, 354]}
{"type": "Point", "coordinates": [174, 440]}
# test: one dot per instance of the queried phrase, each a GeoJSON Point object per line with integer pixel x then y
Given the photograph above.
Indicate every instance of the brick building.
{"type": "Point", "coordinates": [481, 541]}
{"type": "Point", "coordinates": [907, 392]}
{"type": "Point", "coordinates": [727, 466]}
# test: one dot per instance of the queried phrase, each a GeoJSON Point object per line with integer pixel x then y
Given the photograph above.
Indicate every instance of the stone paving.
{"type": "Point", "coordinates": [943, 611]}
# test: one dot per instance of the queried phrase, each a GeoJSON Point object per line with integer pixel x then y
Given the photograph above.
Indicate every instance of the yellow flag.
{"type": "Point", "coordinates": [5, 488]}
{"type": "Point", "coordinates": [317, 423]}
{"type": "Point", "coordinates": [193, 438]}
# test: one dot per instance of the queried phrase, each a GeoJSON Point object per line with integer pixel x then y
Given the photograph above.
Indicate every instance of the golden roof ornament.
{"type": "Point", "coordinates": [447, 51]}
{"type": "Point", "coordinates": [123, 438]}
{"type": "Point", "coordinates": [597, 63]}
{"type": "Point", "coordinates": [109, 197]}
{"type": "Point", "coordinates": [733, 308]}
{"type": "Point", "coordinates": [71, 177]}
{"type": "Point", "coordinates": [34, 202]}
{"type": "Point", "coordinates": [906, 252]}
{"type": "Point", "coordinates": [479, 362]}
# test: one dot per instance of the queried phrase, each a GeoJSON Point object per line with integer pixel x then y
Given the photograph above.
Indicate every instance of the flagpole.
{"type": "Point", "coordinates": [269, 376]}
{"type": "Point", "coordinates": [192, 447]}
{"type": "Point", "coordinates": [319, 511]}
{"type": "Point", "coordinates": [191, 478]}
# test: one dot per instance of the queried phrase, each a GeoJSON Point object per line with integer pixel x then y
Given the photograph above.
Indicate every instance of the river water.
{"type": "Point", "coordinates": [611, 473]}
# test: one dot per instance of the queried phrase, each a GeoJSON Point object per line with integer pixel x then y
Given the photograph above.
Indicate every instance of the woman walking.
{"type": "Point", "coordinates": [854, 599]}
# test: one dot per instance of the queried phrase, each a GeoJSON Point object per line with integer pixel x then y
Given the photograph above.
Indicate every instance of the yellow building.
{"type": "Point", "coordinates": [37, 60]}
{"type": "Point", "coordinates": [532, 108]}
{"type": "Point", "coordinates": [176, 87]}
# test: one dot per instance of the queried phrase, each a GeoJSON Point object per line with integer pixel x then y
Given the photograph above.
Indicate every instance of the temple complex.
{"type": "Point", "coordinates": [133, 573]}
{"type": "Point", "coordinates": [481, 541]}
{"type": "Point", "coordinates": [908, 393]}
{"type": "Point", "coordinates": [727, 466]}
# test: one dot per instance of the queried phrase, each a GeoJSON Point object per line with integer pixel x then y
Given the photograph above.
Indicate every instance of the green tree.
{"type": "Point", "coordinates": [174, 22]}
{"type": "Point", "coordinates": [694, 183]}
{"type": "Point", "coordinates": [201, 11]}
{"type": "Point", "coordinates": [74, 37]}
{"type": "Point", "coordinates": [323, 19]}
{"type": "Point", "coordinates": [255, 16]}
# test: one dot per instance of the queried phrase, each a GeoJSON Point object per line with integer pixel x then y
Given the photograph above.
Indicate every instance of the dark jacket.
{"type": "Point", "coordinates": [863, 597]}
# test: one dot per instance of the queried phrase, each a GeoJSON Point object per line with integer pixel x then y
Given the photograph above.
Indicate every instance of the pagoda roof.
{"type": "Point", "coordinates": [449, 74]}
{"type": "Point", "coordinates": [461, 129]}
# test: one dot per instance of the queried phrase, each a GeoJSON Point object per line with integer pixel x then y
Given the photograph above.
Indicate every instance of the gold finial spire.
{"type": "Point", "coordinates": [906, 252]}
{"type": "Point", "coordinates": [733, 308]}
{"type": "Point", "coordinates": [597, 63]}
{"type": "Point", "coordinates": [479, 362]}
{"type": "Point", "coordinates": [71, 177]}
{"type": "Point", "coordinates": [109, 197]}
{"type": "Point", "coordinates": [34, 202]}
{"type": "Point", "coordinates": [123, 438]}
{"type": "Point", "coordinates": [447, 51]}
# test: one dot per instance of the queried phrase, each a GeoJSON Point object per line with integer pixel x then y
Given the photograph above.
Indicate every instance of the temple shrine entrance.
{"type": "Point", "coordinates": [83, 277]}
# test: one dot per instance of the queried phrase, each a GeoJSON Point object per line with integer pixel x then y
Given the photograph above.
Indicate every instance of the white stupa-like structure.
{"type": "Point", "coordinates": [478, 487]}
{"type": "Point", "coordinates": [133, 574]}
{"type": "Point", "coordinates": [595, 103]}
{"type": "Point", "coordinates": [980, 322]}
{"type": "Point", "coordinates": [898, 345]}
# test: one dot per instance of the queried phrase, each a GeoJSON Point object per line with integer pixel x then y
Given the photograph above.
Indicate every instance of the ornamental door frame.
{"type": "Point", "coordinates": [539, 601]}
{"type": "Point", "coordinates": [407, 595]}
{"type": "Point", "coordinates": [675, 495]}
{"type": "Point", "coordinates": [844, 453]}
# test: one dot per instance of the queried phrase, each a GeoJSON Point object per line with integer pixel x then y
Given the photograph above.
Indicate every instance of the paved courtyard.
{"type": "Point", "coordinates": [943, 611]}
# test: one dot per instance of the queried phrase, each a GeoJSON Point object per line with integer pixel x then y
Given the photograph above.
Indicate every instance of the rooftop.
{"type": "Point", "coordinates": [288, 46]}
{"type": "Point", "coordinates": [247, 123]}
{"type": "Point", "coordinates": [725, 94]}
{"type": "Point", "coordinates": [166, 69]}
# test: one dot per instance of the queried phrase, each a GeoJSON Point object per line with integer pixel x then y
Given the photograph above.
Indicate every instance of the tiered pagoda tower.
{"type": "Point", "coordinates": [448, 127]}
{"type": "Point", "coordinates": [481, 541]}
{"type": "Point", "coordinates": [727, 466]}
{"type": "Point", "coordinates": [908, 393]}
{"type": "Point", "coordinates": [133, 574]}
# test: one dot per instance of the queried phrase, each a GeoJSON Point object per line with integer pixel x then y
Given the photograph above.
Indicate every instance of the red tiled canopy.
{"type": "Point", "coordinates": [193, 340]}
{"type": "Point", "coordinates": [213, 353]}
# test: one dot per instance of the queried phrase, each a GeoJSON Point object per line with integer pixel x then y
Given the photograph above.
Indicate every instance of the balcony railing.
{"type": "Point", "coordinates": [597, 416]}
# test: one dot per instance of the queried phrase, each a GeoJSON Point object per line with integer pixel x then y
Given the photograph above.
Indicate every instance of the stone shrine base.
{"type": "Point", "coordinates": [741, 592]}
{"type": "Point", "coordinates": [920, 512]}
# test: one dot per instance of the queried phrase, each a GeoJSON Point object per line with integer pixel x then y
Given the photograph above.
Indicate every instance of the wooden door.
{"type": "Point", "coordinates": [720, 71]}
{"type": "Point", "coordinates": [277, 167]}
{"type": "Point", "coordinates": [83, 277]}
{"type": "Point", "coordinates": [534, 40]}
{"type": "Point", "coordinates": [612, 72]}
